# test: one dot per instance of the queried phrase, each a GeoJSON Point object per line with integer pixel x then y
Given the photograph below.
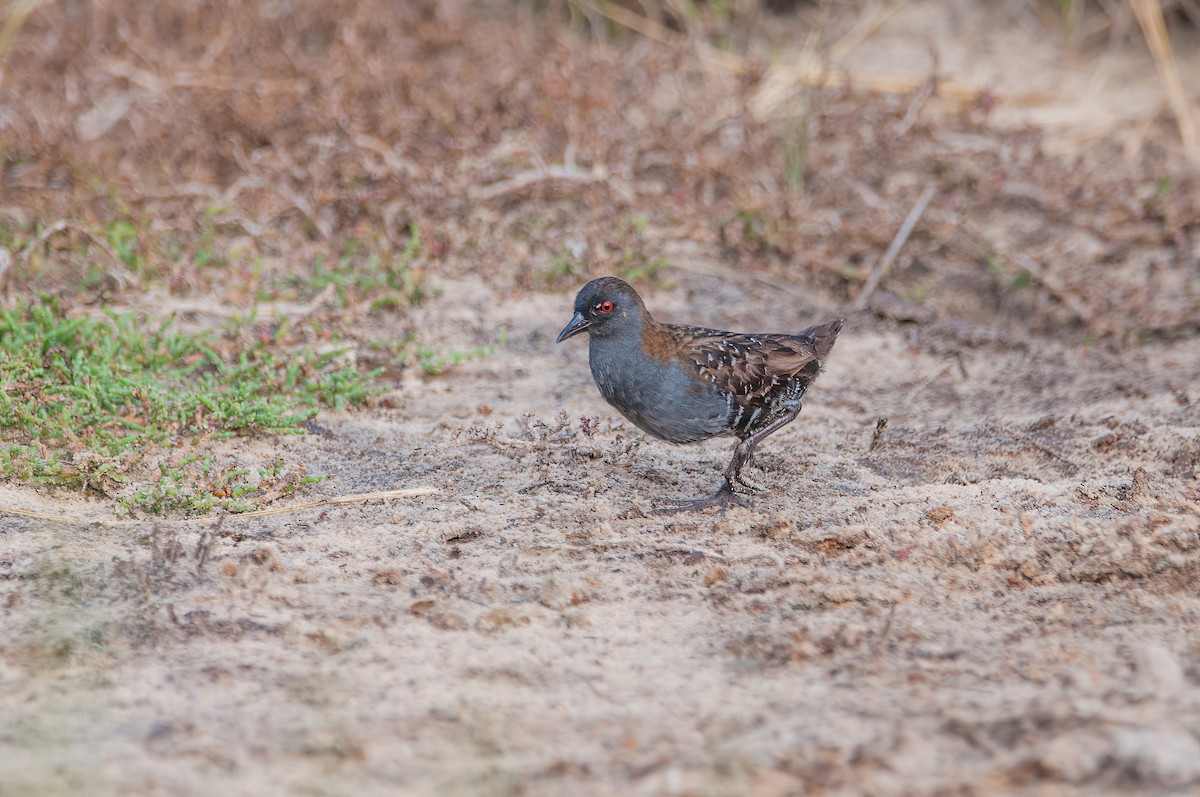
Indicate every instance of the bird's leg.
{"type": "Point", "coordinates": [744, 451]}
{"type": "Point", "coordinates": [743, 457]}
{"type": "Point", "coordinates": [742, 454]}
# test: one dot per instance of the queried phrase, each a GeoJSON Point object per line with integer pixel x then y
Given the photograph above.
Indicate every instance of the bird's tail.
{"type": "Point", "coordinates": [822, 336]}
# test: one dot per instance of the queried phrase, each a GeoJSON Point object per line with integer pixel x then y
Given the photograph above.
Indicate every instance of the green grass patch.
{"type": "Point", "coordinates": [85, 403]}
{"type": "Point", "coordinates": [434, 362]}
{"type": "Point", "coordinates": [360, 273]}
{"type": "Point", "coordinates": [195, 485]}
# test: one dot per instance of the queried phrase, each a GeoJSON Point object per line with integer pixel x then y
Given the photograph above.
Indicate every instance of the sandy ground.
{"type": "Point", "coordinates": [1000, 597]}
{"type": "Point", "coordinates": [997, 593]}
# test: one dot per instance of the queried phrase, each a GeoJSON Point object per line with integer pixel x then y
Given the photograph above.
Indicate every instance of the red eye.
{"type": "Point", "coordinates": [605, 307]}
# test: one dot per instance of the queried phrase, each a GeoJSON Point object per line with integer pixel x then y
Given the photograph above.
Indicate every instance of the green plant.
{"type": "Point", "coordinates": [85, 401]}
{"type": "Point", "coordinates": [795, 151]}
{"type": "Point", "coordinates": [122, 236]}
{"type": "Point", "coordinates": [921, 290]}
{"type": "Point", "coordinates": [195, 486]}
{"type": "Point", "coordinates": [206, 246]}
{"type": "Point", "coordinates": [433, 362]}
{"type": "Point", "coordinates": [360, 273]}
{"type": "Point", "coordinates": [635, 262]}
{"type": "Point", "coordinates": [635, 266]}
{"type": "Point", "coordinates": [566, 266]}
{"type": "Point", "coordinates": [751, 229]}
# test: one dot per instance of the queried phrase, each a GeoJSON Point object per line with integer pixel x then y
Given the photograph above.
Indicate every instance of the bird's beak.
{"type": "Point", "coordinates": [577, 325]}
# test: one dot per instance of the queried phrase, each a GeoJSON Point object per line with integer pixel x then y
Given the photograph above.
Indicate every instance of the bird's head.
{"type": "Point", "coordinates": [605, 307]}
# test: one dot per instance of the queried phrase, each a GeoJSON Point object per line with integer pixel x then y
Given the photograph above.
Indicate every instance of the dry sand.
{"type": "Point", "coordinates": [999, 596]}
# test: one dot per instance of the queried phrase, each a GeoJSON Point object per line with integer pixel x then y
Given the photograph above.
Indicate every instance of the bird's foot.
{"type": "Point", "coordinates": [754, 488]}
{"type": "Point", "coordinates": [724, 497]}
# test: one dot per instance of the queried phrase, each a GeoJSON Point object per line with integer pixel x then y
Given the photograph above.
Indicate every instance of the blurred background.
{"type": "Point", "coordinates": [238, 152]}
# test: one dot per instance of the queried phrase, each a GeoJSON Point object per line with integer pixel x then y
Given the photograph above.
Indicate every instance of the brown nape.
{"type": "Point", "coordinates": [657, 341]}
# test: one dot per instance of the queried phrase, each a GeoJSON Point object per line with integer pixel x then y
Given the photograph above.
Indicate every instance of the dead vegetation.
{"type": "Point", "coordinates": [235, 167]}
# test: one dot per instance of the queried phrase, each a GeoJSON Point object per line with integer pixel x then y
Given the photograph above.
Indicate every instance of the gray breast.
{"type": "Point", "coordinates": [658, 398]}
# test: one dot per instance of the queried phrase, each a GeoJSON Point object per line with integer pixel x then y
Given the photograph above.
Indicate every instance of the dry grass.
{"type": "Point", "coordinates": [237, 157]}
{"type": "Point", "coordinates": [1150, 18]}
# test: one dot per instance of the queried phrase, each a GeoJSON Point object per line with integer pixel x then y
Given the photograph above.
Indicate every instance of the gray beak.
{"type": "Point", "coordinates": [577, 325]}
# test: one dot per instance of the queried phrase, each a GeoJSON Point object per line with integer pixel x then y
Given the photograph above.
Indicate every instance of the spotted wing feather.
{"type": "Point", "coordinates": [753, 369]}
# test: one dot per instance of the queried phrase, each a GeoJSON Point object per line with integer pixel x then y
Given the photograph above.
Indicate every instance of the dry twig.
{"type": "Point", "coordinates": [877, 435]}
{"type": "Point", "coordinates": [564, 172]}
{"type": "Point", "coordinates": [35, 515]}
{"type": "Point", "coordinates": [868, 22]}
{"type": "Point", "coordinates": [357, 498]}
{"type": "Point", "coordinates": [1150, 18]}
{"type": "Point", "coordinates": [885, 263]}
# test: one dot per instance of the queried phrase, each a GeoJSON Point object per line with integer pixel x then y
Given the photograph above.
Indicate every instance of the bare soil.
{"type": "Point", "coordinates": [994, 592]}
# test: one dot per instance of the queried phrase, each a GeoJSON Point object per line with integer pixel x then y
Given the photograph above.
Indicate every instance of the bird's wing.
{"type": "Point", "coordinates": [750, 367]}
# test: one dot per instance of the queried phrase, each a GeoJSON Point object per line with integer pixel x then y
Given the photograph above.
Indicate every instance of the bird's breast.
{"type": "Point", "coordinates": [659, 398]}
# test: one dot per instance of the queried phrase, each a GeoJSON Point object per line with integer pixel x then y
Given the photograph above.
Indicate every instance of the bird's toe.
{"type": "Point", "coordinates": [723, 498]}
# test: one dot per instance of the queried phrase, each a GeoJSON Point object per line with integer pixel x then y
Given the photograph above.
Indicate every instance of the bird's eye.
{"type": "Point", "coordinates": [605, 307]}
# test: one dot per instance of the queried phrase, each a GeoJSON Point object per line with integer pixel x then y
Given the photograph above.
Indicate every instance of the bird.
{"type": "Point", "coordinates": [683, 384]}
